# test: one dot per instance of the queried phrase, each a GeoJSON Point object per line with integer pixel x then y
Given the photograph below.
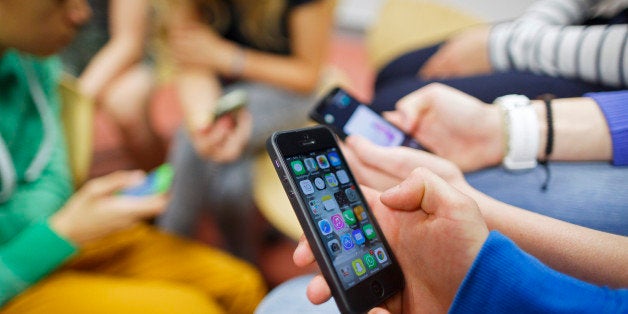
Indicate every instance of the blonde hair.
{"type": "Point", "coordinates": [259, 21]}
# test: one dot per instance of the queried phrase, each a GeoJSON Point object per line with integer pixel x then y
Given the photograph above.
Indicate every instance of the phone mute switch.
{"type": "Point", "coordinates": [277, 163]}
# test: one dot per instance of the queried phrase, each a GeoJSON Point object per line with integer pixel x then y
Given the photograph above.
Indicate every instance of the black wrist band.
{"type": "Point", "coordinates": [549, 144]}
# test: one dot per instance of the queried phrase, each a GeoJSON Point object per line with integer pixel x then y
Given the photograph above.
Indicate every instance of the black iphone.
{"type": "Point", "coordinates": [346, 115]}
{"type": "Point", "coordinates": [349, 247]}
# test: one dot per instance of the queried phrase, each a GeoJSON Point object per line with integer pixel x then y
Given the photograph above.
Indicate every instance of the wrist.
{"type": "Point", "coordinates": [541, 116]}
{"type": "Point", "coordinates": [59, 224]}
{"type": "Point", "coordinates": [521, 132]}
{"type": "Point", "coordinates": [237, 62]}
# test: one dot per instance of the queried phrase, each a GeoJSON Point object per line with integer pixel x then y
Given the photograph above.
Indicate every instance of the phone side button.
{"type": "Point", "coordinates": [377, 289]}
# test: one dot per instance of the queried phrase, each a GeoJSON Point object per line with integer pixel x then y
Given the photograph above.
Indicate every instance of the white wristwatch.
{"type": "Point", "coordinates": [522, 132]}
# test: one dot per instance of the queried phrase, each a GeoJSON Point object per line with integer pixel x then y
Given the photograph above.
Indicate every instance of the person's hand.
{"type": "Point", "coordinates": [96, 210]}
{"type": "Point", "coordinates": [465, 54]}
{"type": "Point", "coordinates": [195, 44]}
{"type": "Point", "coordinates": [226, 138]}
{"type": "Point", "coordinates": [381, 168]}
{"type": "Point", "coordinates": [435, 233]}
{"type": "Point", "coordinates": [453, 125]}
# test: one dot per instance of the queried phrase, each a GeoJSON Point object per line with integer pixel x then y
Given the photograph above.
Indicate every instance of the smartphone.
{"type": "Point", "coordinates": [230, 102]}
{"type": "Point", "coordinates": [158, 181]}
{"type": "Point", "coordinates": [347, 242]}
{"type": "Point", "coordinates": [346, 115]}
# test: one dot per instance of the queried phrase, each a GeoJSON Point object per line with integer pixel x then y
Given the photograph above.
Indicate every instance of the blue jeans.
{"type": "Point", "coordinates": [399, 78]}
{"type": "Point", "coordinates": [590, 194]}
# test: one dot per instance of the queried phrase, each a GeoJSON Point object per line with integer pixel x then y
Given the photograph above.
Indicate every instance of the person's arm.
{"type": "Point", "coordinates": [584, 253]}
{"type": "Point", "coordinates": [128, 23]}
{"type": "Point", "coordinates": [475, 139]}
{"type": "Point", "coordinates": [34, 249]}
{"type": "Point", "coordinates": [505, 279]}
{"type": "Point", "coordinates": [587, 254]}
{"type": "Point", "coordinates": [613, 105]}
{"type": "Point", "coordinates": [580, 130]}
{"type": "Point", "coordinates": [197, 45]}
{"type": "Point", "coordinates": [548, 40]}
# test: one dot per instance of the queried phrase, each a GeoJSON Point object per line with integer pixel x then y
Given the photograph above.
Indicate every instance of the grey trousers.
{"type": "Point", "coordinates": [225, 189]}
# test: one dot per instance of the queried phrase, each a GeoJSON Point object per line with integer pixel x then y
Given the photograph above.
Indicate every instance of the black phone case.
{"type": "Point", "coordinates": [345, 303]}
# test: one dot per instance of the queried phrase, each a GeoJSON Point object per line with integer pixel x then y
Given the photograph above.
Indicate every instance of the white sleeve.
{"type": "Point", "coordinates": [595, 54]}
{"type": "Point", "coordinates": [558, 12]}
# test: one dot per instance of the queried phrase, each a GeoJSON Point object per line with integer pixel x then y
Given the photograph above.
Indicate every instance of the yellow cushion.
{"type": "Point", "coordinates": [78, 117]}
{"type": "Point", "coordinates": [271, 198]}
{"type": "Point", "coordinates": [405, 25]}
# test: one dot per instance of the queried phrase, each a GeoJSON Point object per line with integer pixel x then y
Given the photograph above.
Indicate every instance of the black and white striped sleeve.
{"type": "Point", "coordinates": [558, 12]}
{"type": "Point", "coordinates": [596, 54]}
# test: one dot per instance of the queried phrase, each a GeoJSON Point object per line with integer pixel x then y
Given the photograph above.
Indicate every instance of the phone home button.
{"type": "Point", "coordinates": [377, 289]}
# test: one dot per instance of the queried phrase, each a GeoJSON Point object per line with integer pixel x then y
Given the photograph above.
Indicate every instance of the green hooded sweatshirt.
{"type": "Point", "coordinates": [34, 175]}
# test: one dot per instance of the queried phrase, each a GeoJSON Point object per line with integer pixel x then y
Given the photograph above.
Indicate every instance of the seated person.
{"type": "Point", "coordinates": [85, 252]}
{"type": "Point", "coordinates": [563, 47]}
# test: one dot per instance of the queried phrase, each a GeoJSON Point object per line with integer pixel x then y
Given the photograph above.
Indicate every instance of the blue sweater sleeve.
{"type": "Point", "coordinates": [614, 105]}
{"type": "Point", "coordinates": [505, 279]}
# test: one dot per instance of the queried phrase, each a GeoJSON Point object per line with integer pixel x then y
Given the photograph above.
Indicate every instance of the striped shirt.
{"type": "Point", "coordinates": [549, 39]}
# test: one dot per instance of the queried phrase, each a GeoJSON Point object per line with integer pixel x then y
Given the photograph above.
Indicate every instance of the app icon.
{"type": "Point", "coordinates": [322, 161]}
{"type": "Point", "coordinates": [380, 254]}
{"type": "Point", "coordinates": [337, 221]}
{"type": "Point", "coordinates": [360, 212]}
{"type": "Point", "coordinates": [342, 176]}
{"type": "Point", "coordinates": [358, 267]}
{"type": "Point", "coordinates": [334, 246]}
{"type": "Point", "coordinates": [341, 198]}
{"type": "Point", "coordinates": [358, 237]}
{"type": "Point", "coordinates": [316, 206]}
{"type": "Point", "coordinates": [345, 271]}
{"type": "Point", "coordinates": [352, 195]}
{"type": "Point", "coordinates": [320, 184]}
{"type": "Point", "coordinates": [329, 202]}
{"type": "Point", "coordinates": [331, 180]}
{"type": "Point", "coordinates": [334, 159]}
{"type": "Point", "coordinates": [347, 243]}
{"type": "Point", "coordinates": [369, 231]}
{"type": "Point", "coordinates": [310, 164]}
{"type": "Point", "coordinates": [324, 226]}
{"type": "Point", "coordinates": [369, 260]}
{"type": "Point", "coordinates": [297, 167]}
{"type": "Point", "coordinates": [349, 217]}
{"type": "Point", "coordinates": [306, 187]}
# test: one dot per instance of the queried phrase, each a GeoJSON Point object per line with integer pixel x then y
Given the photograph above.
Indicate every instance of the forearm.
{"type": "Point", "coordinates": [587, 254]}
{"type": "Point", "coordinates": [198, 90]}
{"type": "Point", "coordinates": [580, 130]}
{"type": "Point", "coordinates": [283, 71]}
{"type": "Point", "coordinates": [113, 59]}
{"type": "Point", "coordinates": [504, 279]}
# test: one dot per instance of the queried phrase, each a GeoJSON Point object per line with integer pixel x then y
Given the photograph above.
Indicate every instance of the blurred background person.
{"type": "Point", "coordinates": [274, 51]}
{"type": "Point", "coordinates": [111, 59]}
{"type": "Point", "coordinates": [563, 47]}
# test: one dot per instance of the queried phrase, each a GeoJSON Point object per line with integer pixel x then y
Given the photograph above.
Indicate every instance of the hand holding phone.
{"type": "Point", "coordinates": [349, 246]}
{"type": "Point", "coordinates": [345, 115]}
{"type": "Point", "coordinates": [157, 181]}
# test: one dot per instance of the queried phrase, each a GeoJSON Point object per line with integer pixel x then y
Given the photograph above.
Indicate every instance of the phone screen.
{"type": "Point", "coordinates": [346, 115]}
{"type": "Point", "coordinates": [339, 213]}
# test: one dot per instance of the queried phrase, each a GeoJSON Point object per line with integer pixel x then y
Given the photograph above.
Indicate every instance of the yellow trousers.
{"type": "Point", "coordinates": [145, 271]}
